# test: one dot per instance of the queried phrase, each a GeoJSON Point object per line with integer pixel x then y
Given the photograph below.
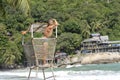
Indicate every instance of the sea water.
{"type": "Point", "coordinates": [71, 72]}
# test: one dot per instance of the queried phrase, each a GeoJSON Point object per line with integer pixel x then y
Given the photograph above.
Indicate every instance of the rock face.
{"type": "Point", "coordinates": [101, 58]}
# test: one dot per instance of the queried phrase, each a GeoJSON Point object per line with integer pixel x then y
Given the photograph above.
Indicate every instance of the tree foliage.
{"type": "Point", "coordinates": [22, 5]}
{"type": "Point", "coordinates": [68, 42]}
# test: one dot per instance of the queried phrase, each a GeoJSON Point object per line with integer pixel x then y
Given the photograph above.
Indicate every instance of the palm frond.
{"type": "Point", "coordinates": [23, 5]}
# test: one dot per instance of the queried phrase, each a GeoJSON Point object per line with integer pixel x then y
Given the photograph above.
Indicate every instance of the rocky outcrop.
{"type": "Point", "coordinates": [93, 58]}
{"type": "Point", "coordinates": [70, 60]}
{"type": "Point", "coordinates": [101, 58]}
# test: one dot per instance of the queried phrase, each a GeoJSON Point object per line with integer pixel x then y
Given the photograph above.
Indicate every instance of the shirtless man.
{"type": "Point", "coordinates": [52, 24]}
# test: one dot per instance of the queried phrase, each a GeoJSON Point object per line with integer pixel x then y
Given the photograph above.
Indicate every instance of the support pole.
{"type": "Point", "coordinates": [29, 73]}
{"type": "Point", "coordinates": [52, 73]}
{"type": "Point", "coordinates": [31, 31]}
{"type": "Point", "coordinates": [56, 31]}
{"type": "Point", "coordinates": [23, 40]}
{"type": "Point", "coordinates": [43, 73]}
{"type": "Point", "coordinates": [37, 68]}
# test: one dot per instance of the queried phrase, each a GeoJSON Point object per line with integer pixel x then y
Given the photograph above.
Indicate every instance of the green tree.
{"type": "Point", "coordinates": [11, 55]}
{"type": "Point", "coordinates": [96, 26]}
{"type": "Point", "coordinates": [10, 37]}
{"type": "Point", "coordinates": [85, 28]}
{"type": "Point", "coordinates": [68, 42]}
{"type": "Point", "coordinates": [22, 5]}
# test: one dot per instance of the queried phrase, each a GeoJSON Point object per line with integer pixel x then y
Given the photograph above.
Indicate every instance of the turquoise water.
{"type": "Point", "coordinates": [105, 67]}
{"type": "Point", "coordinates": [71, 72]}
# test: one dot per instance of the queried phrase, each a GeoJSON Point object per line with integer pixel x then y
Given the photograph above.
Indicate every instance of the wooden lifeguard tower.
{"type": "Point", "coordinates": [39, 49]}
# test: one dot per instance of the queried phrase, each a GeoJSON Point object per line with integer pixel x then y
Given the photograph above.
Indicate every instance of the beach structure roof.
{"type": "Point", "coordinates": [61, 54]}
{"type": "Point", "coordinates": [104, 38]}
{"type": "Point", "coordinates": [91, 40]}
{"type": "Point", "coordinates": [95, 35]}
{"type": "Point", "coordinates": [112, 42]}
{"type": "Point", "coordinates": [97, 38]}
